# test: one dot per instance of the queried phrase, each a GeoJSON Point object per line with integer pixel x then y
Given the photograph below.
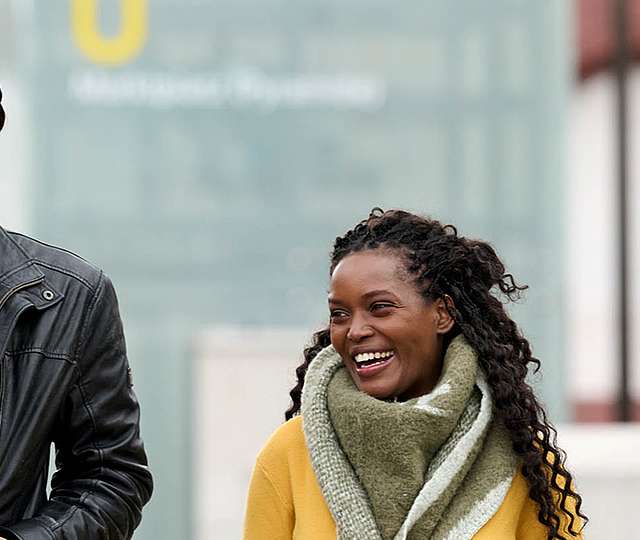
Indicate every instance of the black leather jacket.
{"type": "Point", "coordinates": [65, 378]}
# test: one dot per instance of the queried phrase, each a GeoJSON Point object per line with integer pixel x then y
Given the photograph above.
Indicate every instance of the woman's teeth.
{"type": "Point", "coordinates": [369, 356]}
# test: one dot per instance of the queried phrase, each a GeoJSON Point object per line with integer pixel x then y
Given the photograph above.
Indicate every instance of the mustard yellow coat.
{"type": "Point", "coordinates": [285, 501]}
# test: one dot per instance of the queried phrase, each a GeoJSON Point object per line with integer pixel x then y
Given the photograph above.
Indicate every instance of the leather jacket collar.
{"type": "Point", "coordinates": [19, 272]}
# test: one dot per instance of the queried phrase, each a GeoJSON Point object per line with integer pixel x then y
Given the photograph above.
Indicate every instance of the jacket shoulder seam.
{"type": "Point", "coordinates": [65, 271]}
{"type": "Point", "coordinates": [87, 316]}
{"type": "Point", "coordinates": [41, 243]}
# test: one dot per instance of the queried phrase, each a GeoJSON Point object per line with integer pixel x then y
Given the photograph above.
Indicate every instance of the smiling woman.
{"type": "Point", "coordinates": [390, 338]}
{"type": "Point", "coordinates": [412, 417]}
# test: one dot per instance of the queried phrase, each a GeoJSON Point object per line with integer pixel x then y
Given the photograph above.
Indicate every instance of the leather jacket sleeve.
{"type": "Point", "coordinates": [102, 480]}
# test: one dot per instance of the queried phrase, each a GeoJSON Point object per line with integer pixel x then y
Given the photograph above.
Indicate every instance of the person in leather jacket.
{"type": "Point", "coordinates": [65, 379]}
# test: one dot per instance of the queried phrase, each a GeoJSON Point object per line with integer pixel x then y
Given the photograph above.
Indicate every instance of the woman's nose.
{"type": "Point", "coordinates": [359, 329]}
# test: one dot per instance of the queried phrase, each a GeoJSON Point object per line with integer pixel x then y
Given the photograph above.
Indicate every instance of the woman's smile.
{"type": "Point", "coordinates": [373, 363]}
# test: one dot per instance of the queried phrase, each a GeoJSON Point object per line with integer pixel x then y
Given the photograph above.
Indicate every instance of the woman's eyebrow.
{"type": "Point", "coordinates": [366, 296]}
{"type": "Point", "coordinates": [377, 292]}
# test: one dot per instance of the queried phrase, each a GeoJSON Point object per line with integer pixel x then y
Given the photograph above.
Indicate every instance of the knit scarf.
{"type": "Point", "coordinates": [435, 467]}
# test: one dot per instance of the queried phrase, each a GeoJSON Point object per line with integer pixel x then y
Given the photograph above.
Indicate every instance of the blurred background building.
{"type": "Point", "coordinates": [205, 153]}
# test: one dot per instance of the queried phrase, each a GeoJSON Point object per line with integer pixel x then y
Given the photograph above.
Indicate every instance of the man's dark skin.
{"type": "Point", "coordinates": [65, 379]}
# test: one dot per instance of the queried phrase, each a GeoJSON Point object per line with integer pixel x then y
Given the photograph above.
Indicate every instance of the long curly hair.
{"type": "Point", "coordinates": [471, 274]}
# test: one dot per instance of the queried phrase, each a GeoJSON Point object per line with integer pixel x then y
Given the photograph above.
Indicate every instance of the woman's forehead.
{"type": "Point", "coordinates": [367, 272]}
{"type": "Point", "coordinates": [371, 262]}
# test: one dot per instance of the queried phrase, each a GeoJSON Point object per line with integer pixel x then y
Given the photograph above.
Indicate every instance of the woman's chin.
{"type": "Point", "coordinates": [378, 391]}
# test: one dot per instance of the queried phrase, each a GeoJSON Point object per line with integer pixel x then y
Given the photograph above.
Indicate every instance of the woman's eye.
{"type": "Point", "coordinates": [381, 306]}
{"type": "Point", "coordinates": [337, 314]}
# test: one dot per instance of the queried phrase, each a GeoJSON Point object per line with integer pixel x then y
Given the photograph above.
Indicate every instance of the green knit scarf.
{"type": "Point", "coordinates": [435, 467]}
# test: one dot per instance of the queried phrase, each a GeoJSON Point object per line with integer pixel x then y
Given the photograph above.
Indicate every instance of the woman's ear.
{"type": "Point", "coordinates": [444, 308]}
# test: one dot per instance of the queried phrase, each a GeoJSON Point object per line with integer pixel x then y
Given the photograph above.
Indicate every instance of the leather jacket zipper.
{"type": "Point", "coordinates": [3, 300]}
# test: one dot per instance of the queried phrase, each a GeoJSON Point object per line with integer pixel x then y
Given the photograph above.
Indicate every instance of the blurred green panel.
{"type": "Point", "coordinates": [209, 173]}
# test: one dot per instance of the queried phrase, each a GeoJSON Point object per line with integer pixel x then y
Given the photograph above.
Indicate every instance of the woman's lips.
{"type": "Point", "coordinates": [372, 370]}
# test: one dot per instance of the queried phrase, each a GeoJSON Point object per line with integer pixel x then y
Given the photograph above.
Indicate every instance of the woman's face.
{"type": "Point", "coordinates": [389, 337]}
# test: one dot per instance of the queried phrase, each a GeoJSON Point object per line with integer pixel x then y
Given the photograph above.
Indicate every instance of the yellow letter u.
{"type": "Point", "coordinates": [118, 49]}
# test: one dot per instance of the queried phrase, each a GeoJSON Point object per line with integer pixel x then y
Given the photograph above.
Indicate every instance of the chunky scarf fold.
{"type": "Point", "coordinates": [435, 467]}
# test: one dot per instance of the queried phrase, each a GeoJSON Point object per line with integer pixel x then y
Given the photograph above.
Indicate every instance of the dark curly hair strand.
{"type": "Point", "coordinates": [471, 274]}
